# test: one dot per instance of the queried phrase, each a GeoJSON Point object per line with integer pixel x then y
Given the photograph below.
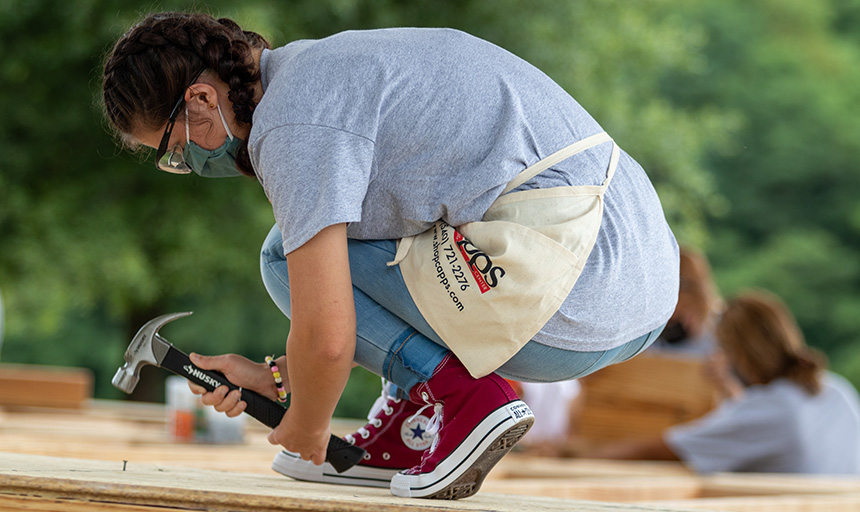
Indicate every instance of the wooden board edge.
{"type": "Point", "coordinates": [104, 492]}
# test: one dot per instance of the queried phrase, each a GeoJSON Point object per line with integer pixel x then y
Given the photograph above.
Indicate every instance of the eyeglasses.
{"type": "Point", "coordinates": [172, 161]}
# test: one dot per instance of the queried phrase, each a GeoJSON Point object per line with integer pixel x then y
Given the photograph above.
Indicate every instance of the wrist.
{"type": "Point", "coordinates": [266, 384]}
{"type": "Point", "coordinates": [278, 378]}
{"type": "Point", "coordinates": [313, 422]}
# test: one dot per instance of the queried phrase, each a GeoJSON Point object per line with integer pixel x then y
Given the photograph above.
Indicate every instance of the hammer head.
{"type": "Point", "coordinates": [146, 348]}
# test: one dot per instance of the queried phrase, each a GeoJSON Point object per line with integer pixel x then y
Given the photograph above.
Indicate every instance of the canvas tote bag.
{"type": "Point", "coordinates": [487, 287]}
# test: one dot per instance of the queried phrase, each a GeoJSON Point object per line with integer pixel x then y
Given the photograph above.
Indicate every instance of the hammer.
{"type": "Point", "coordinates": [148, 347]}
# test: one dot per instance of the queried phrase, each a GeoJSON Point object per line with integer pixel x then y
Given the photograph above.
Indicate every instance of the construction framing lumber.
{"type": "Point", "coordinates": [45, 386]}
{"type": "Point", "coordinates": [31, 479]}
{"type": "Point", "coordinates": [71, 460]}
{"type": "Point", "coordinates": [781, 503]}
{"type": "Point", "coordinates": [640, 398]}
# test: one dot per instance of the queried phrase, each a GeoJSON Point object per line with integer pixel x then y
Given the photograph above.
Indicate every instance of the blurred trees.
{"type": "Point", "coordinates": [744, 114]}
{"type": "Point", "coordinates": [790, 68]}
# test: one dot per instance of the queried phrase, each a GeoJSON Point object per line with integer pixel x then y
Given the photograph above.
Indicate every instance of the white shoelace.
{"type": "Point", "coordinates": [380, 405]}
{"type": "Point", "coordinates": [434, 424]}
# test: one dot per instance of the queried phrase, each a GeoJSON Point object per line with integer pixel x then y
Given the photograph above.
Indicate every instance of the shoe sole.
{"type": "Point", "coordinates": [291, 465]}
{"type": "Point", "coordinates": [461, 474]}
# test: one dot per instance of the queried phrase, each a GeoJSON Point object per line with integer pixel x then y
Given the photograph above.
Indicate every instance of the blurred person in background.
{"type": "Point", "coordinates": [690, 330]}
{"type": "Point", "coordinates": [558, 405]}
{"type": "Point", "coordinates": [782, 411]}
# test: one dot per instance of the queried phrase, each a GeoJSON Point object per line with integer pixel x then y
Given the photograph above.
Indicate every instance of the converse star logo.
{"type": "Point", "coordinates": [414, 434]}
{"type": "Point", "coordinates": [418, 432]}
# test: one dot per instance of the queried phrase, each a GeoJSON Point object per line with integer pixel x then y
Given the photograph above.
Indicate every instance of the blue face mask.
{"type": "Point", "coordinates": [216, 163]}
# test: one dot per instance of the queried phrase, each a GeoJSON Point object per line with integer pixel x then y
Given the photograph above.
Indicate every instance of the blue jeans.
{"type": "Point", "coordinates": [394, 341]}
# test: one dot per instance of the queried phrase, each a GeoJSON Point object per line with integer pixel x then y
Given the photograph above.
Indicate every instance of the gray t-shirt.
{"type": "Point", "coordinates": [390, 130]}
{"type": "Point", "coordinates": [776, 428]}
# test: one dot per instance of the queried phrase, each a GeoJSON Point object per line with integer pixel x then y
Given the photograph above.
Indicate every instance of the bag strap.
{"type": "Point", "coordinates": [613, 163]}
{"type": "Point", "coordinates": [563, 154]}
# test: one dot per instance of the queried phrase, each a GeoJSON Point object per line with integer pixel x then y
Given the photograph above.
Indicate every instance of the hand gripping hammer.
{"type": "Point", "coordinates": [148, 347]}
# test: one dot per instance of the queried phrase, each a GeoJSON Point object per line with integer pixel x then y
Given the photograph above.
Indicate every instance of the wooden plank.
{"type": "Point", "coordinates": [626, 489]}
{"type": "Point", "coordinates": [781, 503]}
{"type": "Point", "coordinates": [753, 484]}
{"type": "Point", "coordinates": [109, 432]}
{"type": "Point", "coordinates": [623, 482]}
{"type": "Point", "coordinates": [45, 386]}
{"type": "Point", "coordinates": [641, 397]}
{"type": "Point", "coordinates": [663, 380]}
{"type": "Point", "coordinates": [606, 423]}
{"type": "Point", "coordinates": [518, 466]}
{"type": "Point", "coordinates": [760, 493]}
{"type": "Point", "coordinates": [51, 479]}
{"type": "Point", "coordinates": [10, 503]}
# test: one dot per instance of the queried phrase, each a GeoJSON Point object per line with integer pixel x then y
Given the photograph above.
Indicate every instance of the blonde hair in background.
{"type": "Point", "coordinates": [762, 340]}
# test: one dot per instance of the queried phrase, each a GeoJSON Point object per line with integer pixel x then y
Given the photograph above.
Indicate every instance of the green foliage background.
{"type": "Point", "coordinates": [745, 114]}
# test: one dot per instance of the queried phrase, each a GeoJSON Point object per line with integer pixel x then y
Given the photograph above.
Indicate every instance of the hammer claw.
{"type": "Point", "coordinates": [145, 348]}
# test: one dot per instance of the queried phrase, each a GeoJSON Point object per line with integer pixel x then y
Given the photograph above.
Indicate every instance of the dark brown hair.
{"type": "Point", "coordinates": [760, 337]}
{"type": "Point", "coordinates": [153, 63]}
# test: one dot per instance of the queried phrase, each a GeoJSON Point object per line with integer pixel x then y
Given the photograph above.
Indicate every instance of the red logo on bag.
{"type": "Point", "coordinates": [473, 255]}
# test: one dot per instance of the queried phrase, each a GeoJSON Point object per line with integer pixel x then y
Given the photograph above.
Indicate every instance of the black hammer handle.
{"type": "Point", "coordinates": [340, 454]}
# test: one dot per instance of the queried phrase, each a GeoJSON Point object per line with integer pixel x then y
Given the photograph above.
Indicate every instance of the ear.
{"type": "Point", "coordinates": [201, 96]}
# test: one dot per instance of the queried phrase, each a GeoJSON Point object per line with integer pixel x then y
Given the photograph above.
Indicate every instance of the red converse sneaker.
{"type": "Point", "coordinates": [394, 439]}
{"type": "Point", "coordinates": [479, 421]}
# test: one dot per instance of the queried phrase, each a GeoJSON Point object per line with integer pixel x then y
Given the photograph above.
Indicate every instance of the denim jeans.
{"type": "Point", "coordinates": [394, 341]}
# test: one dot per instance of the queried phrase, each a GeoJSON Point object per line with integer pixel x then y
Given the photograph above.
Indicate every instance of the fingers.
{"type": "Point", "coordinates": [318, 458]}
{"type": "Point", "coordinates": [196, 389]}
{"type": "Point", "coordinates": [238, 409]}
{"type": "Point", "coordinates": [308, 448]}
{"type": "Point", "coordinates": [229, 403]}
{"type": "Point", "coordinates": [210, 362]}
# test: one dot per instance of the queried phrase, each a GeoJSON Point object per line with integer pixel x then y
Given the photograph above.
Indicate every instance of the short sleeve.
{"type": "Point", "coordinates": [314, 176]}
{"type": "Point", "coordinates": [737, 436]}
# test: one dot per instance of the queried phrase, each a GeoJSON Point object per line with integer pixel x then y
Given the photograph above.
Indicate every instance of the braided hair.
{"type": "Point", "coordinates": [151, 65]}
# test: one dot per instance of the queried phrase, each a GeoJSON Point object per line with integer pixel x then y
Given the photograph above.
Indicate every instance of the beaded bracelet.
{"type": "Point", "coordinates": [282, 393]}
